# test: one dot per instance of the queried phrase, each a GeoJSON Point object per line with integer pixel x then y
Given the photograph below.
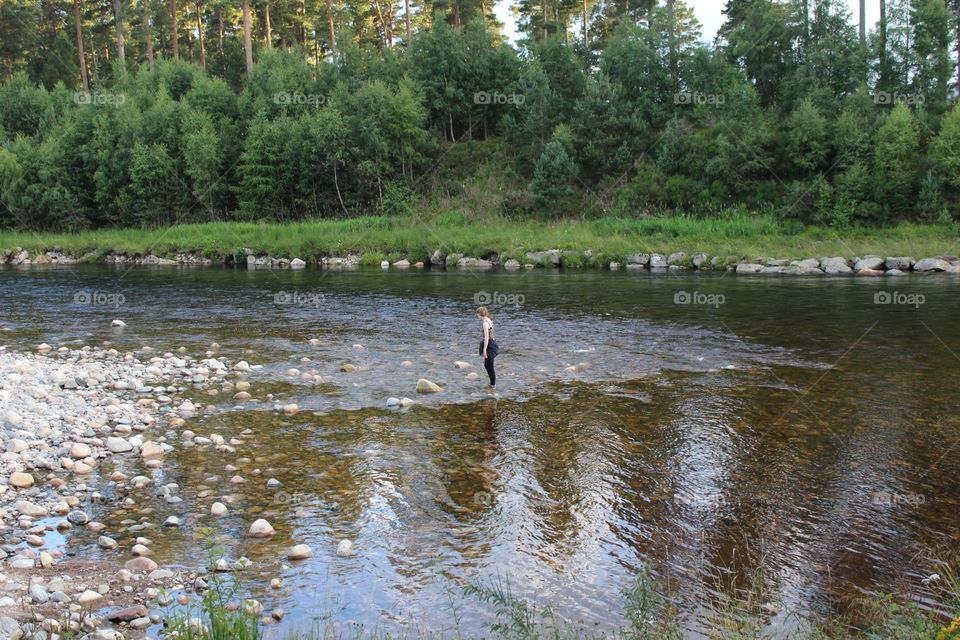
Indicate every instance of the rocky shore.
{"type": "Point", "coordinates": [868, 265]}
{"type": "Point", "coordinates": [80, 428]}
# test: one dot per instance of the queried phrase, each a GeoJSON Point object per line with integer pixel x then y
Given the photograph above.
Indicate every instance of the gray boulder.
{"type": "Point", "coordinates": [809, 263]}
{"type": "Point", "coordinates": [835, 265]}
{"type": "Point", "coordinates": [542, 257]}
{"type": "Point", "coordinates": [932, 264]}
{"type": "Point", "coordinates": [899, 262]}
{"type": "Point", "coordinates": [10, 629]}
{"type": "Point", "coordinates": [869, 262]}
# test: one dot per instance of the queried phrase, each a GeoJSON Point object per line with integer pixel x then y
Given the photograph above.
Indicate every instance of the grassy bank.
{"type": "Point", "coordinates": [611, 238]}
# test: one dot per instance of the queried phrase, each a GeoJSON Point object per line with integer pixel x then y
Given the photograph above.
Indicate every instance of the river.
{"type": "Point", "coordinates": [717, 429]}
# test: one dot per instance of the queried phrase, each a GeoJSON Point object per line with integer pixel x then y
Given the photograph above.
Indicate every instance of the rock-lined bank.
{"type": "Point", "coordinates": [85, 428]}
{"type": "Point", "coordinates": [80, 429]}
{"type": "Point", "coordinates": [868, 265]}
{"type": "Point", "coordinates": [65, 415]}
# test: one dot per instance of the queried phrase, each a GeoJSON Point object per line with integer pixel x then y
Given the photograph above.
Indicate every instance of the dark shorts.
{"type": "Point", "coordinates": [492, 349]}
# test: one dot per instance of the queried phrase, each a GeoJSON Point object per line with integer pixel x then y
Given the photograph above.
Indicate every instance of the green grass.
{"type": "Point", "coordinates": [739, 236]}
{"type": "Point", "coordinates": [733, 608]}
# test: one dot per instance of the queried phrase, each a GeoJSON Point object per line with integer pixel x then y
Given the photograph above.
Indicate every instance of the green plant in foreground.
{"type": "Point", "coordinates": [216, 616]}
{"type": "Point", "coordinates": [650, 614]}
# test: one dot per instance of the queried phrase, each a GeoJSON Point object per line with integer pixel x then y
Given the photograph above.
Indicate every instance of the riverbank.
{"type": "Point", "coordinates": [84, 432]}
{"type": "Point", "coordinates": [753, 244]}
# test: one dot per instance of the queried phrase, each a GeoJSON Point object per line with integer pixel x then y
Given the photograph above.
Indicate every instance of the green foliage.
{"type": "Point", "coordinates": [946, 149]}
{"type": "Point", "coordinates": [895, 153]}
{"type": "Point", "coordinates": [210, 617]}
{"type": "Point", "coordinates": [807, 144]}
{"type": "Point", "coordinates": [556, 171]}
{"type": "Point", "coordinates": [788, 113]}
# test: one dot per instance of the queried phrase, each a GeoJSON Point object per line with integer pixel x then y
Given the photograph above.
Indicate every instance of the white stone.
{"type": "Point", "coordinates": [261, 529]}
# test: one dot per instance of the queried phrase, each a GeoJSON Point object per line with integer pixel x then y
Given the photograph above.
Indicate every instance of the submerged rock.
{"type": "Point", "coordinates": [300, 552]}
{"type": "Point", "coordinates": [426, 386]}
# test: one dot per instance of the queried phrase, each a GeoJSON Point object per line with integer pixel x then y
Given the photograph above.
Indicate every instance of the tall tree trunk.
{"type": "Point", "coordinates": [390, 16]}
{"type": "Point", "coordinates": [386, 23]}
{"type": "Point", "coordinates": [543, 10]}
{"type": "Point", "coordinates": [882, 79]}
{"type": "Point", "coordinates": [456, 14]}
{"type": "Point", "coordinates": [220, 30]}
{"type": "Point", "coordinates": [121, 54]}
{"type": "Point", "coordinates": [80, 55]}
{"type": "Point", "coordinates": [302, 12]}
{"type": "Point", "coordinates": [247, 40]}
{"type": "Point", "coordinates": [672, 46]}
{"type": "Point", "coordinates": [333, 33]}
{"type": "Point", "coordinates": [203, 51]}
{"type": "Point", "coordinates": [956, 10]}
{"type": "Point", "coordinates": [174, 37]}
{"type": "Point", "coordinates": [863, 23]}
{"type": "Point", "coordinates": [586, 32]}
{"type": "Point", "coordinates": [268, 36]}
{"type": "Point", "coordinates": [556, 21]}
{"type": "Point", "coordinates": [94, 63]}
{"type": "Point", "coordinates": [805, 7]}
{"type": "Point", "coordinates": [406, 12]}
{"type": "Point", "coordinates": [148, 31]}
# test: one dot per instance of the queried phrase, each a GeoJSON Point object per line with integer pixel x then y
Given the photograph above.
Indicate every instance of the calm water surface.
{"type": "Point", "coordinates": [787, 427]}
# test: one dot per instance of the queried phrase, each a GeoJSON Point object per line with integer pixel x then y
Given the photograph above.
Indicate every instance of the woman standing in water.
{"type": "Point", "coordinates": [488, 347]}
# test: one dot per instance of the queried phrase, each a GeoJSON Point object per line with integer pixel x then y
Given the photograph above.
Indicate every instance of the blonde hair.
{"type": "Point", "coordinates": [483, 312]}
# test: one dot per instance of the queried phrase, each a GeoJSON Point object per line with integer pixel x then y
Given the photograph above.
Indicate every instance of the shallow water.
{"type": "Point", "coordinates": [793, 427]}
